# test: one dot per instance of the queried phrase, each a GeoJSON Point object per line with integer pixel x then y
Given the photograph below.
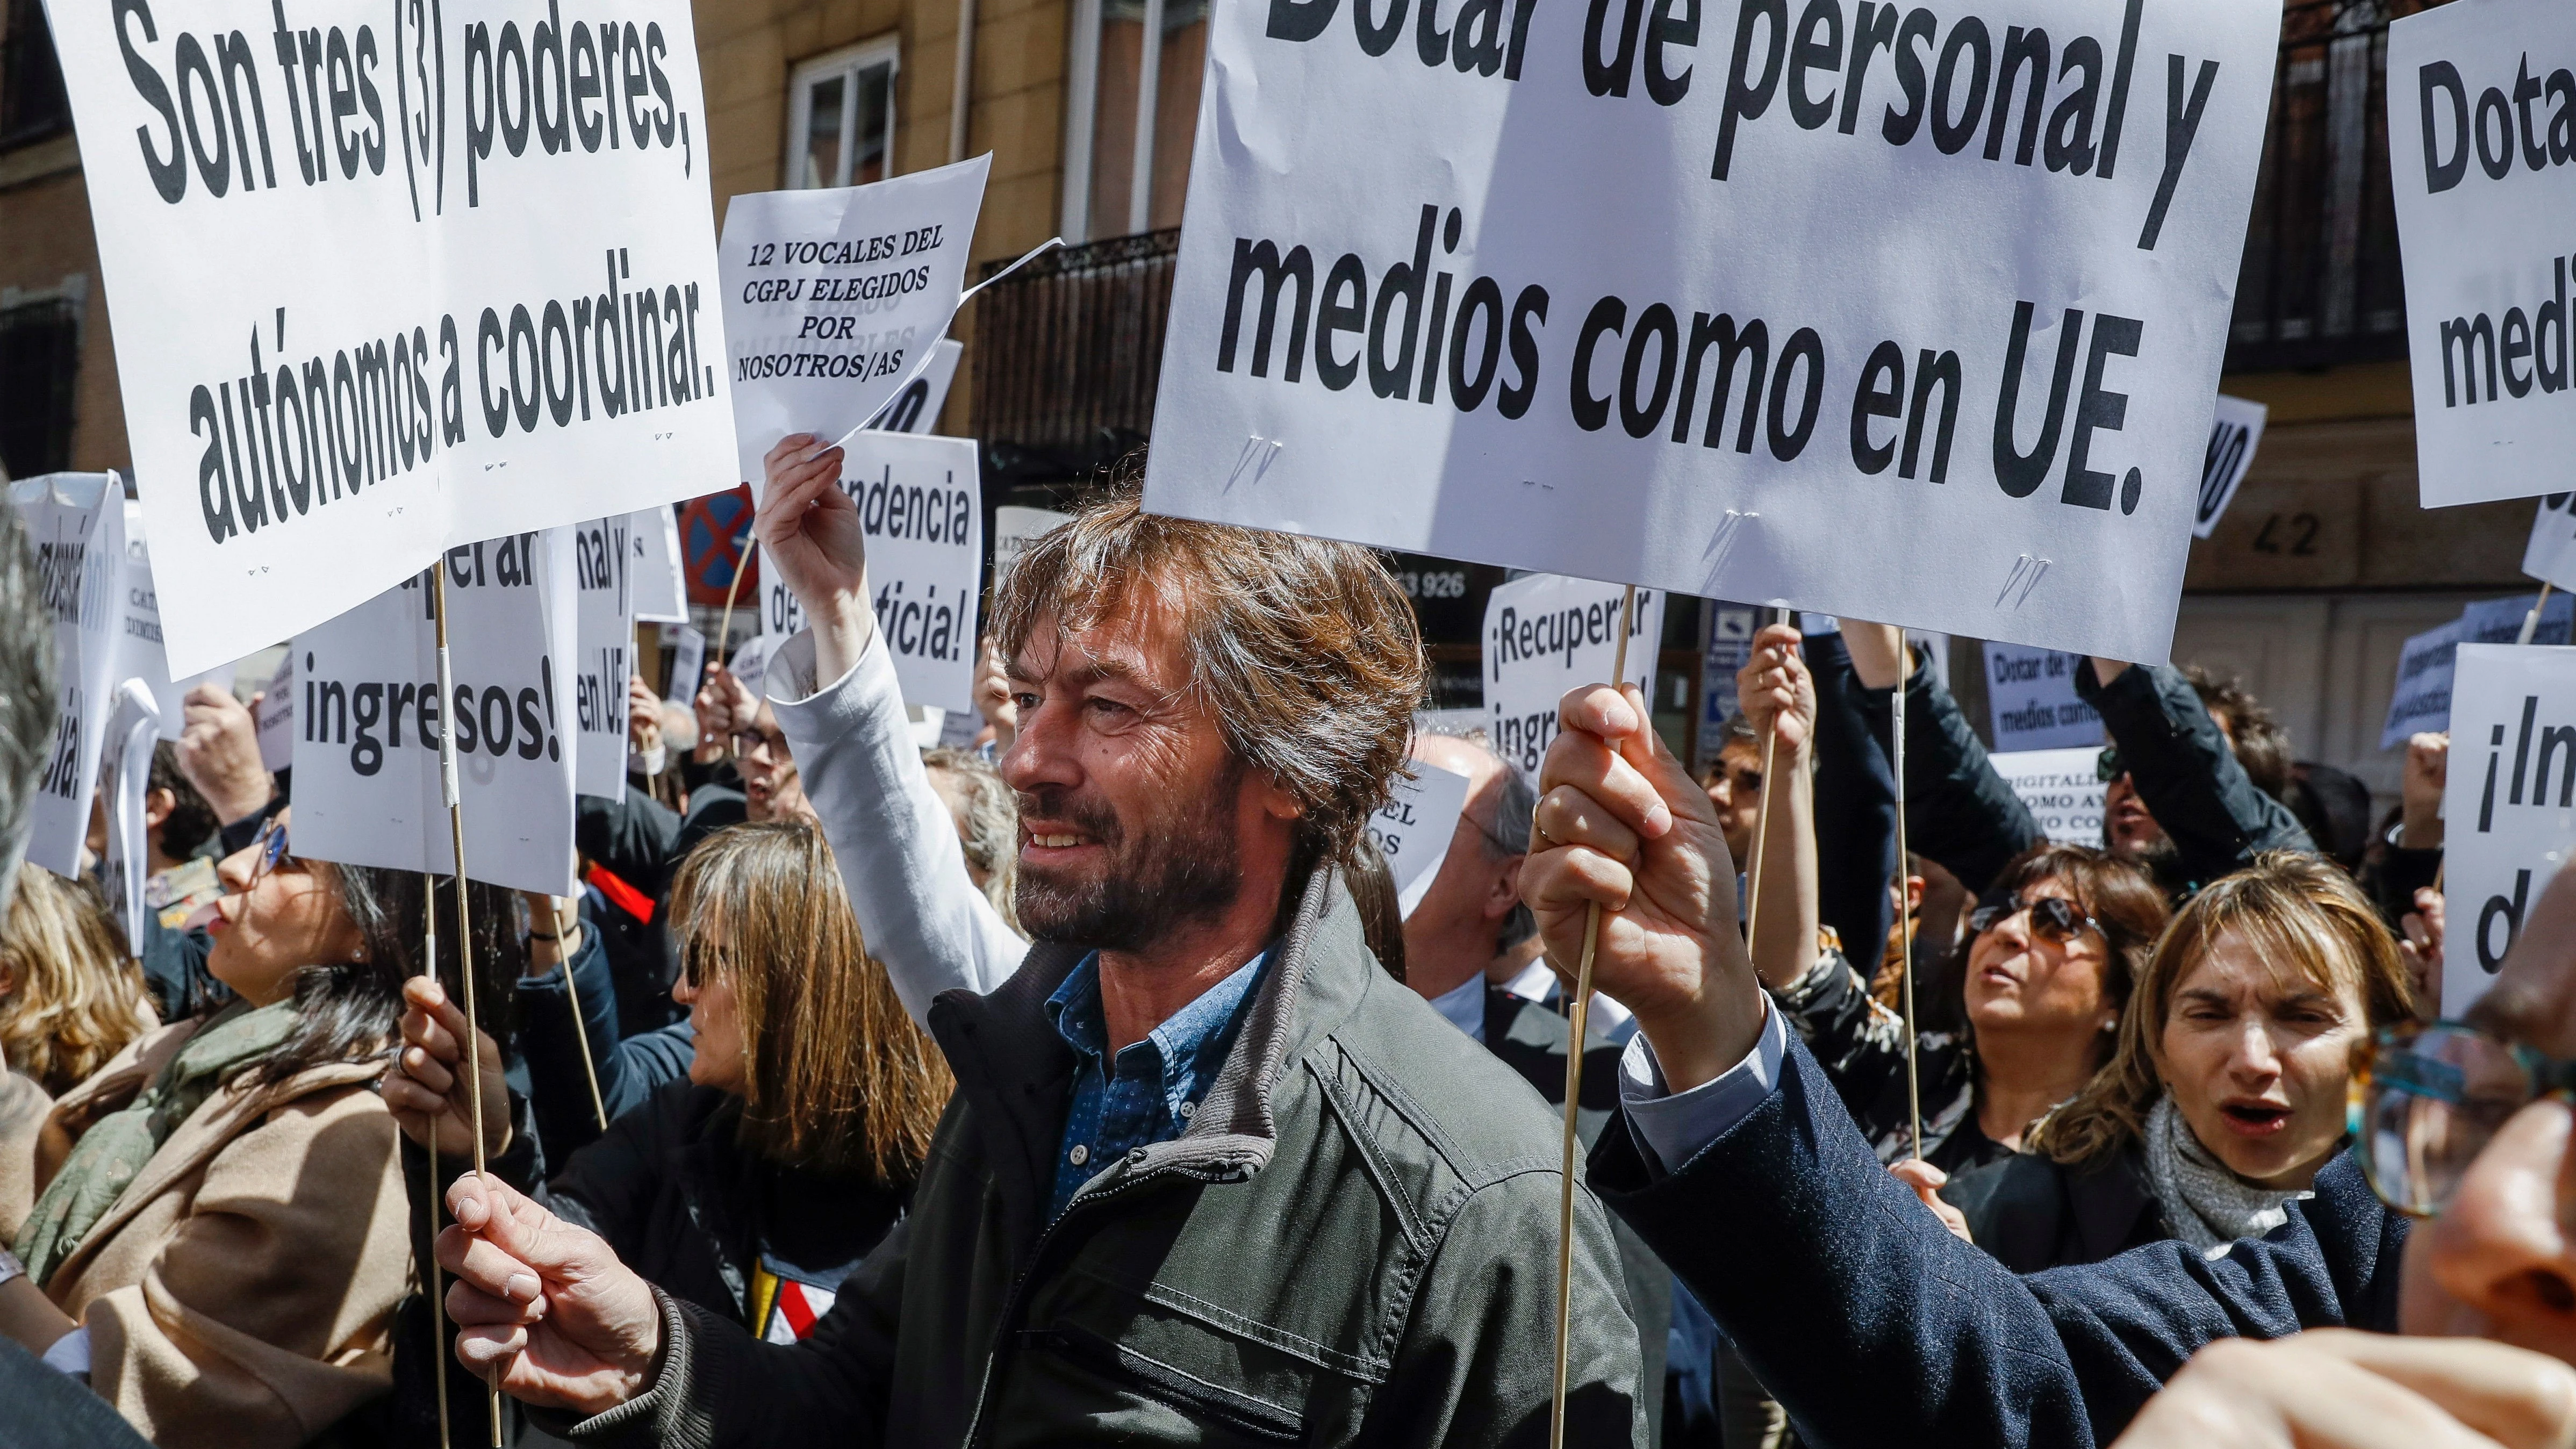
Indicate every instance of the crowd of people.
{"type": "Point", "coordinates": [1092, 1082]}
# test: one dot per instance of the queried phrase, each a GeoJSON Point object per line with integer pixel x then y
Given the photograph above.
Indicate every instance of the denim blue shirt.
{"type": "Point", "coordinates": [1149, 1092]}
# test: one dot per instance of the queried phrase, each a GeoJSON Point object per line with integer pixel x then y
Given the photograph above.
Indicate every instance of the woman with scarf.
{"type": "Point", "coordinates": [2227, 1092]}
{"type": "Point", "coordinates": [218, 1241]}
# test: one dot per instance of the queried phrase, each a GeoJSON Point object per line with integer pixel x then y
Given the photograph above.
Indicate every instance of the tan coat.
{"type": "Point", "coordinates": [242, 1290]}
{"type": "Point", "coordinates": [23, 1105]}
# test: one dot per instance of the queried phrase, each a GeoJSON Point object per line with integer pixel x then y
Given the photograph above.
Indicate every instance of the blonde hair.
{"type": "Point", "coordinates": [837, 1076]}
{"type": "Point", "coordinates": [2297, 911]}
{"type": "Point", "coordinates": [74, 1000]}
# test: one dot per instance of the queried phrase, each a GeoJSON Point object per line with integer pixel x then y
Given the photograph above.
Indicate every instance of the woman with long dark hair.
{"type": "Point", "coordinates": [219, 1236]}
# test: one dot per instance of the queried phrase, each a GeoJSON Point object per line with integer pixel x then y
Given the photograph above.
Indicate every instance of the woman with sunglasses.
{"type": "Point", "coordinates": [2228, 1089]}
{"type": "Point", "coordinates": [754, 1186]}
{"type": "Point", "coordinates": [219, 1237]}
{"type": "Point", "coordinates": [2030, 999]}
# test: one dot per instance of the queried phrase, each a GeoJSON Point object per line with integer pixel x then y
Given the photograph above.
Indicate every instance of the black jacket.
{"type": "Point", "coordinates": [688, 1207]}
{"type": "Point", "coordinates": [2187, 776]}
{"type": "Point", "coordinates": [1874, 1326]}
{"type": "Point", "coordinates": [1860, 1046]}
{"type": "Point", "coordinates": [2033, 1213]}
{"type": "Point", "coordinates": [642, 842]}
{"type": "Point", "coordinates": [1959, 812]}
{"type": "Point", "coordinates": [551, 1040]}
{"type": "Point", "coordinates": [1353, 1243]}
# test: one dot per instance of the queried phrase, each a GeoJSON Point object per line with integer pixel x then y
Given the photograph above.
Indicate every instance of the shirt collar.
{"type": "Point", "coordinates": [1464, 1005]}
{"type": "Point", "coordinates": [1185, 1052]}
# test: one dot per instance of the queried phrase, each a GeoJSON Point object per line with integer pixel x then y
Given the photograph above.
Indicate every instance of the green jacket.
{"type": "Point", "coordinates": [1353, 1244]}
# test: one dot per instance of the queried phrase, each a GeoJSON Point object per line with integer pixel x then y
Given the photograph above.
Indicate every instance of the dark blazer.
{"type": "Point", "coordinates": [1874, 1326]}
{"type": "Point", "coordinates": [2187, 775]}
{"type": "Point", "coordinates": [2033, 1213]}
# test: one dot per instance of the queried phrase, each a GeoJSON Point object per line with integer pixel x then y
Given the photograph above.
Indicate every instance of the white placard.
{"type": "Point", "coordinates": [2031, 693]}
{"type": "Point", "coordinates": [750, 663]}
{"type": "Point", "coordinates": [2509, 806]}
{"type": "Point", "coordinates": [2477, 145]}
{"type": "Point", "coordinates": [2062, 789]}
{"type": "Point", "coordinates": [1015, 527]}
{"type": "Point", "coordinates": [604, 652]}
{"type": "Point", "coordinates": [832, 293]}
{"type": "Point", "coordinates": [921, 507]}
{"type": "Point", "coordinates": [274, 715]}
{"type": "Point", "coordinates": [2551, 553]}
{"type": "Point", "coordinates": [2234, 433]}
{"type": "Point", "coordinates": [1414, 827]}
{"type": "Point", "coordinates": [1646, 311]}
{"type": "Point", "coordinates": [1728, 649]}
{"type": "Point", "coordinates": [661, 590]}
{"type": "Point", "coordinates": [688, 661]}
{"type": "Point", "coordinates": [1448, 721]}
{"type": "Point", "coordinates": [916, 408]}
{"type": "Point", "coordinates": [369, 719]}
{"type": "Point", "coordinates": [77, 523]}
{"type": "Point", "coordinates": [141, 650]}
{"type": "Point", "coordinates": [477, 299]}
{"type": "Point", "coordinates": [125, 775]}
{"type": "Point", "coordinates": [1546, 634]}
{"type": "Point", "coordinates": [959, 727]}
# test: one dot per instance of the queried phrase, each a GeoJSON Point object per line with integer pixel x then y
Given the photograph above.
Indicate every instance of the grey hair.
{"type": "Point", "coordinates": [1515, 803]}
{"type": "Point", "coordinates": [992, 822]}
{"type": "Point", "coordinates": [27, 698]}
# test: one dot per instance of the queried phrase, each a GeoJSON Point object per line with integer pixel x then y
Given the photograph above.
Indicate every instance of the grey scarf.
{"type": "Point", "coordinates": [2204, 1204]}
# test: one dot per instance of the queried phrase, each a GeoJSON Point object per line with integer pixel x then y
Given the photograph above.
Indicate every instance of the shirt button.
{"type": "Point", "coordinates": [1136, 1158]}
{"type": "Point", "coordinates": [1079, 1155]}
{"type": "Point", "coordinates": [1189, 1110]}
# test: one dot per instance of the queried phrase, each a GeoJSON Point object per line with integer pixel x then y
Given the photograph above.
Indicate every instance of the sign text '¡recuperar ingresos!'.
{"type": "Point", "coordinates": [1822, 70]}
{"type": "Point", "coordinates": [295, 433]}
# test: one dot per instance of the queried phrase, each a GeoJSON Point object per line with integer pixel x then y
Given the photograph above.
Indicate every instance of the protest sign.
{"type": "Point", "coordinates": [661, 593]}
{"type": "Point", "coordinates": [688, 661]}
{"type": "Point", "coordinates": [2062, 790]}
{"type": "Point", "coordinates": [476, 299]}
{"type": "Point", "coordinates": [2509, 804]}
{"type": "Point", "coordinates": [1412, 830]}
{"type": "Point", "coordinates": [369, 718]}
{"type": "Point", "coordinates": [750, 662]}
{"type": "Point", "coordinates": [832, 293]}
{"type": "Point", "coordinates": [273, 715]}
{"type": "Point", "coordinates": [2422, 698]}
{"type": "Point", "coordinates": [604, 652]}
{"type": "Point", "coordinates": [2476, 158]}
{"type": "Point", "coordinates": [143, 657]}
{"type": "Point", "coordinates": [1016, 527]}
{"type": "Point", "coordinates": [2233, 435]}
{"type": "Point", "coordinates": [916, 408]}
{"type": "Point", "coordinates": [76, 521]}
{"type": "Point", "coordinates": [2551, 553]}
{"type": "Point", "coordinates": [1558, 299]}
{"type": "Point", "coordinates": [1448, 721]}
{"type": "Point", "coordinates": [125, 774]}
{"type": "Point", "coordinates": [2031, 695]}
{"type": "Point", "coordinates": [1546, 634]}
{"type": "Point", "coordinates": [2499, 621]}
{"type": "Point", "coordinates": [921, 507]}
{"type": "Point", "coordinates": [1728, 650]}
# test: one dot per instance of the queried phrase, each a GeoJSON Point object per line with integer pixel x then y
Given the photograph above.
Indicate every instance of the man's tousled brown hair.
{"type": "Point", "coordinates": [1303, 650]}
{"type": "Point", "coordinates": [838, 1078]}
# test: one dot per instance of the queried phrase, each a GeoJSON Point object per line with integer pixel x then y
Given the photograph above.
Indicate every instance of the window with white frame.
{"type": "Point", "coordinates": [1131, 111]}
{"type": "Point", "coordinates": [840, 117]}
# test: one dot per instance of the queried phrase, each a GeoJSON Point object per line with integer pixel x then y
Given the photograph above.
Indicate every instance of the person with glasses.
{"type": "Point", "coordinates": [2226, 1095]}
{"type": "Point", "coordinates": [2029, 1002]}
{"type": "Point", "coordinates": [220, 1236]}
{"type": "Point", "coordinates": [752, 1187]}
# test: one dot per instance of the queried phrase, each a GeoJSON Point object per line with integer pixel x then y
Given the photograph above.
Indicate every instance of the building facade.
{"type": "Point", "coordinates": [2320, 570]}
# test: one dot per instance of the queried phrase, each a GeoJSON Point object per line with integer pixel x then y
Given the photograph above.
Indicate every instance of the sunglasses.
{"type": "Point", "coordinates": [268, 849]}
{"type": "Point", "coordinates": [718, 962]}
{"type": "Point", "coordinates": [2050, 917]}
{"type": "Point", "coordinates": [2426, 1100]}
{"type": "Point", "coordinates": [2108, 766]}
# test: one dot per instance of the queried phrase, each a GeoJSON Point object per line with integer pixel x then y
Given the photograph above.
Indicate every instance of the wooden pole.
{"type": "Point", "coordinates": [1575, 1024]}
{"type": "Point", "coordinates": [464, 922]}
{"type": "Point", "coordinates": [2531, 621]}
{"type": "Point", "coordinates": [437, 1285]}
{"type": "Point", "coordinates": [1905, 918]}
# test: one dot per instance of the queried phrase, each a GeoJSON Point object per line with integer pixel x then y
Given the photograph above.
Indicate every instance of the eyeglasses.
{"type": "Point", "coordinates": [2108, 766]}
{"type": "Point", "coordinates": [717, 963]}
{"type": "Point", "coordinates": [2050, 916]}
{"type": "Point", "coordinates": [268, 849]}
{"type": "Point", "coordinates": [2426, 1100]}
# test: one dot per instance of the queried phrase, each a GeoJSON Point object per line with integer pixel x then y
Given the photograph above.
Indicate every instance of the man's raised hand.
{"type": "Point", "coordinates": [810, 531]}
{"type": "Point", "coordinates": [544, 1311]}
{"type": "Point", "coordinates": [1623, 825]}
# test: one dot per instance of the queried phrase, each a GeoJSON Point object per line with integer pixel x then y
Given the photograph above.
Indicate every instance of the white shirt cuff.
{"type": "Point", "coordinates": [1674, 1128]}
{"type": "Point", "coordinates": [70, 1354]}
